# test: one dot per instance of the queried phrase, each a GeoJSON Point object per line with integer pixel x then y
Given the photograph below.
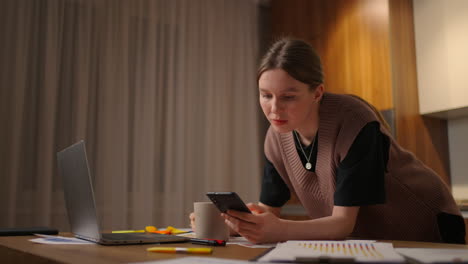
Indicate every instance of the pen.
{"type": "Point", "coordinates": [209, 242]}
{"type": "Point", "coordinates": [180, 250]}
{"type": "Point", "coordinates": [128, 231]}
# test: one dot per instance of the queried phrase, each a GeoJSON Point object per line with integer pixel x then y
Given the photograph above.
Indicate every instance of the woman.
{"type": "Point", "coordinates": [337, 155]}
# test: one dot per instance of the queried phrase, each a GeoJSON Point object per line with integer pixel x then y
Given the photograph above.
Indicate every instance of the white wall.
{"type": "Point", "coordinates": [458, 147]}
{"type": "Point", "coordinates": [441, 34]}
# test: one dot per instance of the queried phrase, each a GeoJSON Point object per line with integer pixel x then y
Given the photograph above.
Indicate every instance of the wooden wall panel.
{"type": "Point", "coordinates": [426, 137]}
{"type": "Point", "coordinates": [352, 38]}
{"type": "Point", "coordinates": [357, 50]}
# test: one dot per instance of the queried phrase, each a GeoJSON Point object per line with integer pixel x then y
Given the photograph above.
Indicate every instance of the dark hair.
{"type": "Point", "coordinates": [297, 58]}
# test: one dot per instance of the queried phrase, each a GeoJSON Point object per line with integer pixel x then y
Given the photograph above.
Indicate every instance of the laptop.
{"type": "Point", "coordinates": [81, 205]}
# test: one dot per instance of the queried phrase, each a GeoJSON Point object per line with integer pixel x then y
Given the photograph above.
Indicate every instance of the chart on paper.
{"type": "Point", "coordinates": [358, 251]}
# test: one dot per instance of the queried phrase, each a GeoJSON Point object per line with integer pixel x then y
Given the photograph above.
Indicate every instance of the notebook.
{"type": "Point", "coordinates": [81, 206]}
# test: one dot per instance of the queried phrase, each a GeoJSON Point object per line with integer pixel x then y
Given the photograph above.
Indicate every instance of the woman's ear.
{"type": "Point", "coordinates": [318, 93]}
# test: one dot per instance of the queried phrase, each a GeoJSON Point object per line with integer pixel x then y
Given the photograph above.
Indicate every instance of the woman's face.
{"type": "Point", "coordinates": [286, 102]}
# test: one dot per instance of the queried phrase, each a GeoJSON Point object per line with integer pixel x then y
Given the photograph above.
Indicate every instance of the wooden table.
{"type": "Point", "coordinates": [20, 250]}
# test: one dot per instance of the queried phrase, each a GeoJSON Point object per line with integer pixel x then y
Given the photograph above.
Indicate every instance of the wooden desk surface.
{"type": "Point", "coordinates": [19, 250]}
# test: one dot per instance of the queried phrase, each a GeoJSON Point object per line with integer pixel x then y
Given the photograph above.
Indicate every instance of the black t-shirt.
{"type": "Point", "coordinates": [359, 178]}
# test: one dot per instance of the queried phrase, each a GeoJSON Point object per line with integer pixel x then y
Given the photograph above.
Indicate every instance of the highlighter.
{"type": "Point", "coordinates": [180, 250]}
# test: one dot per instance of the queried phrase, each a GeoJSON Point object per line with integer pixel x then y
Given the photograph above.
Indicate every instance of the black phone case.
{"type": "Point", "coordinates": [228, 201]}
{"type": "Point", "coordinates": [27, 231]}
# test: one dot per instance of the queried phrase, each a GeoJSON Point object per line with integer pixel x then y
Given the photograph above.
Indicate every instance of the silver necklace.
{"type": "Point", "coordinates": [308, 164]}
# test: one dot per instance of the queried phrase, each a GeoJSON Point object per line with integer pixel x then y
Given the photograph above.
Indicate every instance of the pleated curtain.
{"type": "Point", "coordinates": [163, 92]}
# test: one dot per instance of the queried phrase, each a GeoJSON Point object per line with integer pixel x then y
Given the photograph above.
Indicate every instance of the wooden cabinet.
{"type": "Point", "coordinates": [441, 57]}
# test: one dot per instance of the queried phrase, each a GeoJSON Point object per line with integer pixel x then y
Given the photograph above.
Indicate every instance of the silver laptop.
{"type": "Point", "coordinates": [81, 206]}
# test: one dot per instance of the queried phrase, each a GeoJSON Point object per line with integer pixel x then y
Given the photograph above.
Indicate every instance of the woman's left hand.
{"type": "Point", "coordinates": [259, 227]}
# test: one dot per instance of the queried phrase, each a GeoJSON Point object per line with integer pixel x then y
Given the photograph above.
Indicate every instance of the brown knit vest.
{"type": "Point", "coordinates": [414, 193]}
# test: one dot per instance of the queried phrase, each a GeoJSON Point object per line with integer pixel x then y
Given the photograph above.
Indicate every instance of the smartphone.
{"type": "Point", "coordinates": [228, 201]}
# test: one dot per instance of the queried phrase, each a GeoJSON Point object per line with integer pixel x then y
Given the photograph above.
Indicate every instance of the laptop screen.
{"type": "Point", "coordinates": [78, 190]}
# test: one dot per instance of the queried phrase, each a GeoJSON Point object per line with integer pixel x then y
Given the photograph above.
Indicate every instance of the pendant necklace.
{"type": "Point", "coordinates": [308, 165]}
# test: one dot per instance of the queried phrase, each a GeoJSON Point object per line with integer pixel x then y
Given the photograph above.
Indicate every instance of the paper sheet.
{"type": "Point", "coordinates": [196, 260]}
{"type": "Point", "coordinates": [59, 240]}
{"type": "Point", "coordinates": [357, 251]}
{"type": "Point", "coordinates": [242, 241]}
{"type": "Point", "coordinates": [435, 255]}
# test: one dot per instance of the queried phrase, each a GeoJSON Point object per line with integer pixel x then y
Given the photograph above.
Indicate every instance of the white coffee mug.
{"type": "Point", "coordinates": [208, 222]}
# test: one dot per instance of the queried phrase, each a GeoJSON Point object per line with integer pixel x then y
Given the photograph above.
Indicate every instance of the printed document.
{"type": "Point", "coordinates": [315, 251]}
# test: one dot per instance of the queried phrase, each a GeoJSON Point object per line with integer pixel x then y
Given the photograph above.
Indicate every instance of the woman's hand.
{"type": "Point", "coordinates": [264, 224]}
{"type": "Point", "coordinates": [261, 226]}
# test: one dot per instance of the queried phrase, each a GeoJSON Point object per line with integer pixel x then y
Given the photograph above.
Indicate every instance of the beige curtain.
{"type": "Point", "coordinates": [163, 93]}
